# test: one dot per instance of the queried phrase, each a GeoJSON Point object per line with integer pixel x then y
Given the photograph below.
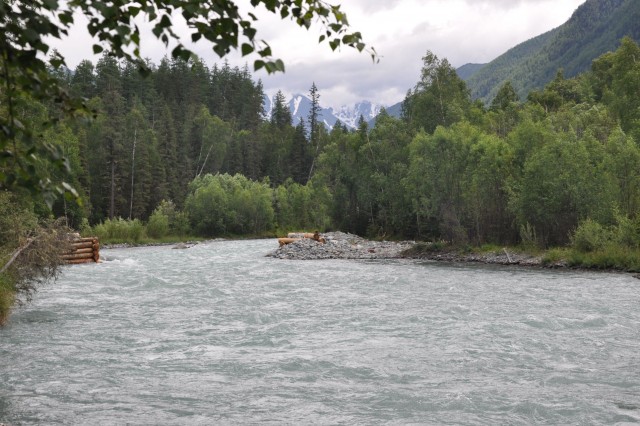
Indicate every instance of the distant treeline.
{"type": "Point", "coordinates": [188, 150]}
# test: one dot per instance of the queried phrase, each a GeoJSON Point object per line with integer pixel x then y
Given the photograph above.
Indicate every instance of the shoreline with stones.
{"type": "Point", "coordinates": [340, 245]}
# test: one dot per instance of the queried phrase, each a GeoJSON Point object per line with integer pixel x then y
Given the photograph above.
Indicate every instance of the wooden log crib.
{"type": "Point", "coordinates": [83, 250]}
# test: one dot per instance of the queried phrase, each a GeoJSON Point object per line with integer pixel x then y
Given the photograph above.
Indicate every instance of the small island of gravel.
{"type": "Point", "coordinates": [340, 245]}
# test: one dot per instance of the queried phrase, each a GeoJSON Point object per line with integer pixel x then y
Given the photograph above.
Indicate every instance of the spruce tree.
{"type": "Point", "coordinates": [314, 130]}
{"type": "Point", "coordinates": [280, 113]}
{"type": "Point", "coordinates": [83, 82]}
{"type": "Point", "coordinates": [299, 155]}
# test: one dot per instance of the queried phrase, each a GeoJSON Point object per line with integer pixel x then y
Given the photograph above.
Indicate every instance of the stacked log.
{"type": "Point", "coordinates": [83, 250]}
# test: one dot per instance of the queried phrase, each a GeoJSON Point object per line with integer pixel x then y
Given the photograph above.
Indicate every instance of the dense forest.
{"type": "Point", "coordinates": [187, 151]}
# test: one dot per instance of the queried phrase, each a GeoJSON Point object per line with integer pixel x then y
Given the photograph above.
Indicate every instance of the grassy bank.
{"type": "Point", "coordinates": [616, 258]}
{"type": "Point", "coordinates": [613, 257]}
{"type": "Point", "coordinates": [136, 233]}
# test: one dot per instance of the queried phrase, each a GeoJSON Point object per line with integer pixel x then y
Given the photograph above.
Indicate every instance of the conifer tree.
{"type": "Point", "coordinates": [506, 96]}
{"type": "Point", "coordinates": [280, 113]}
{"type": "Point", "coordinates": [299, 155]}
{"type": "Point", "coordinates": [83, 82]}
{"type": "Point", "coordinates": [314, 128]}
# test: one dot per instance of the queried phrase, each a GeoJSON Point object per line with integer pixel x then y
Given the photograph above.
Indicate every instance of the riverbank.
{"type": "Point", "coordinates": [340, 245]}
{"type": "Point", "coordinates": [494, 256]}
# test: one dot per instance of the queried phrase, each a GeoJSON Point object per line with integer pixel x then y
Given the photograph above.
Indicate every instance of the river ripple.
{"type": "Point", "coordinates": [221, 334]}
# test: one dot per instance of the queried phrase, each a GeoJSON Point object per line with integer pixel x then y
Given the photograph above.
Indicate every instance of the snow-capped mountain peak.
{"type": "Point", "coordinates": [349, 115]}
{"type": "Point", "coordinates": [295, 104]}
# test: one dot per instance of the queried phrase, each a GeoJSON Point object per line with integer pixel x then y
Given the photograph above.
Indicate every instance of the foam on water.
{"type": "Point", "coordinates": [219, 333]}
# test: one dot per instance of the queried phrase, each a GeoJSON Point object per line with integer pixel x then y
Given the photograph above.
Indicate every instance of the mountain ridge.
{"type": "Point", "coordinates": [594, 28]}
{"type": "Point", "coordinates": [466, 71]}
{"type": "Point", "coordinates": [349, 115]}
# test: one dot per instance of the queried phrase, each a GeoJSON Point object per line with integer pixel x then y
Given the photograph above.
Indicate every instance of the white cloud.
{"type": "Point", "coordinates": [402, 31]}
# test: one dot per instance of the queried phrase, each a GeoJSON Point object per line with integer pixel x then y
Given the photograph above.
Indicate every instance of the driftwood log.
{"type": "Point", "coordinates": [295, 236]}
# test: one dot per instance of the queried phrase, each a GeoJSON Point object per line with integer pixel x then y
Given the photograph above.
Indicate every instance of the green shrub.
{"type": "Point", "coordinates": [590, 236]}
{"type": "Point", "coordinates": [626, 232]}
{"type": "Point", "coordinates": [119, 230]}
{"type": "Point", "coordinates": [158, 225]}
{"type": "Point", "coordinates": [554, 255]}
{"type": "Point", "coordinates": [84, 228]}
{"type": "Point", "coordinates": [225, 204]}
{"type": "Point", "coordinates": [487, 248]}
{"type": "Point", "coordinates": [180, 225]}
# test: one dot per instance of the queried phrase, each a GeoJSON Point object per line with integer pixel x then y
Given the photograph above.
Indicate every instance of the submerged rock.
{"type": "Point", "coordinates": [184, 245]}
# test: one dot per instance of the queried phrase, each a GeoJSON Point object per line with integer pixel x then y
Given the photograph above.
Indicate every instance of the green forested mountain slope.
{"type": "Point", "coordinates": [466, 71]}
{"type": "Point", "coordinates": [594, 28]}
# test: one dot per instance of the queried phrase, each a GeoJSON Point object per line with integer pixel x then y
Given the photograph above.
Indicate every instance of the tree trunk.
{"type": "Point", "coordinates": [112, 200]}
{"type": "Point", "coordinates": [133, 169]}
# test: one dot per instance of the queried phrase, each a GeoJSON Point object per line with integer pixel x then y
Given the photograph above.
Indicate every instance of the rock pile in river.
{"type": "Point", "coordinates": [340, 245]}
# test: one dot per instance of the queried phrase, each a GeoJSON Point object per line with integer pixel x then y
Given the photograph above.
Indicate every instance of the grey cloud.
{"type": "Point", "coordinates": [363, 79]}
{"type": "Point", "coordinates": [352, 77]}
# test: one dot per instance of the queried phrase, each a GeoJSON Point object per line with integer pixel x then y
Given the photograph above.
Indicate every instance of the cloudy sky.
{"type": "Point", "coordinates": [401, 31]}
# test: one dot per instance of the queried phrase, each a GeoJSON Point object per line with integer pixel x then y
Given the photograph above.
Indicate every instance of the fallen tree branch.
{"type": "Point", "coordinates": [16, 253]}
{"type": "Point", "coordinates": [508, 257]}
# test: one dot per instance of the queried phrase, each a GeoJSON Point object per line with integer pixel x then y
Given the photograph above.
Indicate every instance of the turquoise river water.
{"type": "Point", "coordinates": [221, 334]}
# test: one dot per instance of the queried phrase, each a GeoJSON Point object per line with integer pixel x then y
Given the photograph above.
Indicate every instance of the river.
{"type": "Point", "coordinates": [221, 334]}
